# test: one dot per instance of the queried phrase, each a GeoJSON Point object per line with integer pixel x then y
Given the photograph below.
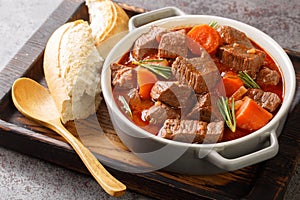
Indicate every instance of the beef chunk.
{"type": "Point", "coordinates": [134, 99]}
{"type": "Point", "coordinates": [173, 44]}
{"type": "Point", "coordinates": [231, 35]}
{"type": "Point", "coordinates": [114, 67]}
{"type": "Point", "coordinates": [123, 76]}
{"type": "Point", "coordinates": [255, 94]}
{"type": "Point", "coordinates": [203, 109]}
{"type": "Point", "coordinates": [214, 132]}
{"type": "Point", "coordinates": [159, 112]}
{"type": "Point", "coordinates": [268, 100]}
{"type": "Point", "coordinates": [171, 93]}
{"type": "Point", "coordinates": [147, 43]}
{"type": "Point", "coordinates": [204, 100]}
{"type": "Point", "coordinates": [240, 58]}
{"type": "Point", "coordinates": [200, 73]}
{"type": "Point", "coordinates": [268, 77]}
{"type": "Point", "coordinates": [192, 131]}
{"type": "Point", "coordinates": [201, 113]}
{"type": "Point", "coordinates": [238, 52]}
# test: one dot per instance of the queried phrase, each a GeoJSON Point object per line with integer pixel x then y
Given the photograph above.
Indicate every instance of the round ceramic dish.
{"type": "Point", "coordinates": [199, 158]}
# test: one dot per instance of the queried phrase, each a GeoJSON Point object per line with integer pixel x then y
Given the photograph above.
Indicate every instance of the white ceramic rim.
{"type": "Point", "coordinates": [265, 41]}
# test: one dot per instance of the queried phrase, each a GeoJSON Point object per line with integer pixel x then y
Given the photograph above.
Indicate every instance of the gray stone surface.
{"type": "Point", "coordinates": [18, 21]}
{"type": "Point", "coordinates": [23, 177]}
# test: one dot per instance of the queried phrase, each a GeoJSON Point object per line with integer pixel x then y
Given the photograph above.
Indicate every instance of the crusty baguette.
{"type": "Point", "coordinates": [109, 23]}
{"type": "Point", "coordinates": [72, 67]}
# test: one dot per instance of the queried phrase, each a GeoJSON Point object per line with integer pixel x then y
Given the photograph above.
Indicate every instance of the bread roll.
{"type": "Point", "coordinates": [72, 68]}
{"type": "Point", "coordinates": [109, 24]}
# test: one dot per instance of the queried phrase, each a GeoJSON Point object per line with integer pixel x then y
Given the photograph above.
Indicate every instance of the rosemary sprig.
{"type": "Point", "coordinates": [248, 81]}
{"type": "Point", "coordinates": [162, 71]}
{"type": "Point", "coordinates": [213, 24]}
{"type": "Point", "coordinates": [125, 107]}
{"type": "Point", "coordinates": [151, 60]}
{"type": "Point", "coordinates": [227, 113]}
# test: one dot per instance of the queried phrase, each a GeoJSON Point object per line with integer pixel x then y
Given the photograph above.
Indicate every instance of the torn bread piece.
{"type": "Point", "coordinates": [72, 67]}
{"type": "Point", "coordinates": [109, 23]}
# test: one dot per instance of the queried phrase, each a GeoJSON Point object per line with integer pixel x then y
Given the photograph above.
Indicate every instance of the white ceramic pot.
{"type": "Point", "coordinates": [201, 159]}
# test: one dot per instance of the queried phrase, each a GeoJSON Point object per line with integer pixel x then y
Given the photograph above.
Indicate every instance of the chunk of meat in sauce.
{"type": "Point", "coordinates": [203, 109]}
{"type": "Point", "coordinates": [230, 35]}
{"type": "Point", "coordinates": [159, 112]}
{"type": "Point", "coordinates": [137, 105]}
{"type": "Point", "coordinates": [171, 93]}
{"type": "Point", "coordinates": [268, 76]}
{"type": "Point", "coordinates": [238, 52]}
{"type": "Point", "coordinates": [240, 58]}
{"type": "Point", "coordinates": [123, 76]}
{"type": "Point", "coordinates": [192, 131]}
{"type": "Point", "coordinates": [215, 132]}
{"type": "Point", "coordinates": [268, 100]}
{"type": "Point", "coordinates": [147, 43]}
{"type": "Point", "coordinates": [134, 99]}
{"type": "Point", "coordinates": [173, 44]}
{"type": "Point", "coordinates": [200, 73]}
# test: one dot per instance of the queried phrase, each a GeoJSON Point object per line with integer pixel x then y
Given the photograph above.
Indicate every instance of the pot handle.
{"type": "Point", "coordinates": [147, 17]}
{"type": "Point", "coordinates": [237, 163]}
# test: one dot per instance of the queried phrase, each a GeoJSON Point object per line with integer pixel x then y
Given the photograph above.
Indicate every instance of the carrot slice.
{"type": "Point", "coordinates": [146, 80]}
{"type": "Point", "coordinates": [231, 83]}
{"type": "Point", "coordinates": [251, 116]}
{"type": "Point", "coordinates": [205, 36]}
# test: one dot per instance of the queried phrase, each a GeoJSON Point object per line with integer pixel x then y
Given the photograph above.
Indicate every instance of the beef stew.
{"type": "Point", "coordinates": [183, 102]}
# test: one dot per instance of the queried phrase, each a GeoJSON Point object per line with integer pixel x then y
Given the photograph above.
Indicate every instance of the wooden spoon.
{"type": "Point", "coordinates": [35, 102]}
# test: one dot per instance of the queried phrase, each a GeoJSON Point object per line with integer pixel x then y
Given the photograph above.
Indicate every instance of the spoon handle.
{"type": "Point", "coordinates": [109, 183]}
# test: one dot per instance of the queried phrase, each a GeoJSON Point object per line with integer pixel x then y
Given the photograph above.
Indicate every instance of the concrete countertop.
{"type": "Point", "coordinates": [23, 177]}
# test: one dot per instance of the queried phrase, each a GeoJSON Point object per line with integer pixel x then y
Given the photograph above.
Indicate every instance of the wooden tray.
{"type": "Point", "coordinates": [266, 180]}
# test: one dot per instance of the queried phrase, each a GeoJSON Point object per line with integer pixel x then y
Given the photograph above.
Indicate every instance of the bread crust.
{"type": "Point", "coordinates": [109, 23]}
{"type": "Point", "coordinates": [51, 67]}
{"type": "Point", "coordinates": [72, 71]}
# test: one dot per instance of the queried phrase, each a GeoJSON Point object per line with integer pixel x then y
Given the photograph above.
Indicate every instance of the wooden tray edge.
{"type": "Point", "coordinates": [69, 7]}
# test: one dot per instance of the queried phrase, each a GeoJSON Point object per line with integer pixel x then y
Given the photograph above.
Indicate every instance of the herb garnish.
{"type": "Point", "coordinates": [213, 24]}
{"type": "Point", "coordinates": [125, 107]}
{"type": "Point", "coordinates": [227, 113]}
{"type": "Point", "coordinates": [160, 70]}
{"type": "Point", "coordinates": [248, 81]}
